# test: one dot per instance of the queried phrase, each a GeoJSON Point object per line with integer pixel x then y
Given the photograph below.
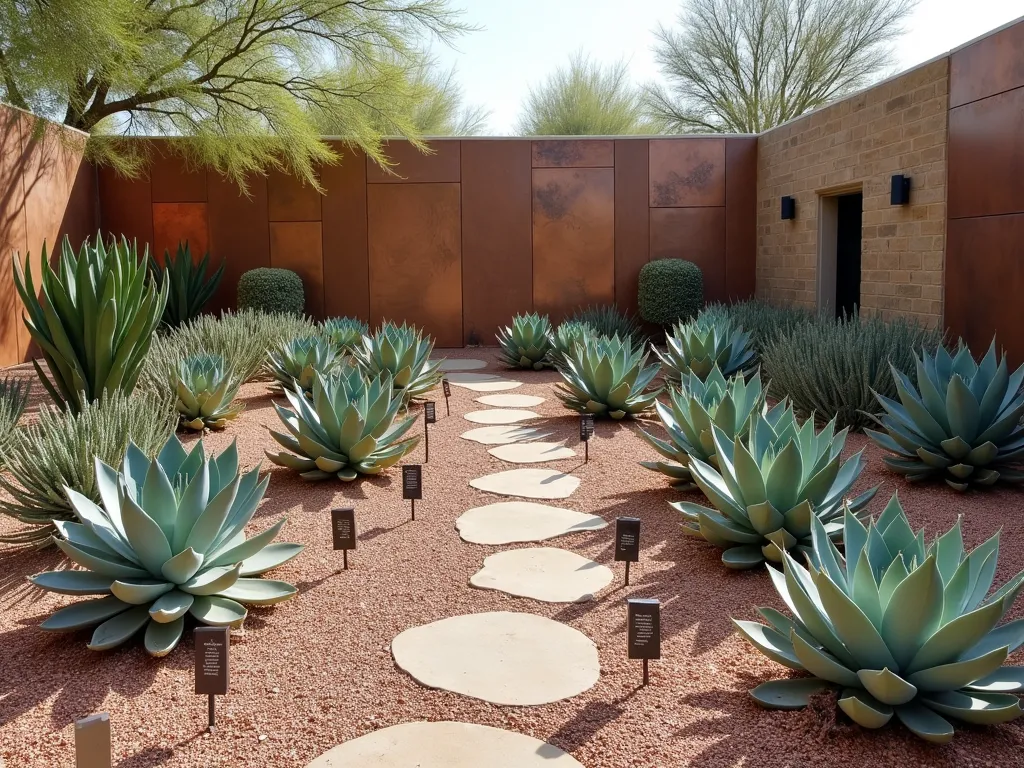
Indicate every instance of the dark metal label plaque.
{"type": "Point", "coordinates": [430, 412]}
{"type": "Point", "coordinates": [343, 527]}
{"type": "Point", "coordinates": [446, 387]}
{"type": "Point", "coordinates": [412, 481]}
{"type": "Point", "coordinates": [644, 628]}
{"type": "Point", "coordinates": [212, 644]}
{"type": "Point", "coordinates": [586, 426]}
{"type": "Point", "coordinates": [627, 539]}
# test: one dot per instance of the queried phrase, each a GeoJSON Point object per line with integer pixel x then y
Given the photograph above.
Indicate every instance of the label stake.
{"type": "Point", "coordinates": [627, 541]}
{"type": "Point", "coordinates": [643, 629]}
{"type": "Point", "coordinates": [447, 393]}
{"type": "Point", "coordinates": [412, 484]}
{"type": "Point", "coordinates": [212, 645]}
{"type": "Point", "coordinates": [586, 430]}
{"type": "Point", "coordinates": [343, 531]}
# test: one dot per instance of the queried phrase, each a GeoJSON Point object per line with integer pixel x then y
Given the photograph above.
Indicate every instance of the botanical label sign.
{"type": "Point", "coordinates": [643, 628]}
{"type": "Point", "coordinates": [343, 527]}
{"type": "Point", "coordinates": [430, 412]}
{"type": "Point", "coordinates": [446, 387]}
{"type": "Point", "coordinates": [586, 426]}
{"type": "Point", "coordinates": [412, 481]}
{"type": "Point", "coordinates": [627, 539]}
{"type": "Point", "coordinates": [212, 645]}
{"type": "Point", "coordinates": [92, 742]}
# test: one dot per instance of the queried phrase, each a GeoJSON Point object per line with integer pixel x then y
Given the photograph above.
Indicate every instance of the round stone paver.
{"type": "Point", "coordinates": [510, 401]}
{"type": "Point", "coordinates": [499, 416]}
{"type": "Point", "coordinates": [461, 364]}
{"type": "Point", "coordinates": [445, 745]}
{"type": "Point", "coordinates": [547, 574]}
{"type": "Point", "coordinates": [528, 483]}
{"type": "Point", "coordinates": [502, 435]}
{"type": "Point", "coordinates": [516, 522]}
{"type": "Point", "coordinates": [514, 659]}
{"type": "Point", "coordinates": [497, 385]}
{"type": "Point", "coordinates": [471, 378]}
{"type": "Point", "coordinates": [532, 453]}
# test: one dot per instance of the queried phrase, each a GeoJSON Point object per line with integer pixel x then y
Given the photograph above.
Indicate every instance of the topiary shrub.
{"type": "Point", "coordinates": [670, 291]}
{"type": "Point", "coordinates": [269, 289]}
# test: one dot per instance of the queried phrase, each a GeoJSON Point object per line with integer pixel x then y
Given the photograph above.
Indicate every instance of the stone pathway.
{"type": "Point", "coordinates": [510, 401]}
{"type": "Point", "coordinates": [547, 574]}
{"type": "Point", "coordinates": [503, 435]}
{"type": "Point", "coordinates": [461, 364]}
{"type": "Point", "coordinates": [531, 453]}
{"type": "Point", "coordinates": [499, 416]}
{"type": "Point", "coordinates": [528, 483]}
{"type": "Point", "coordinates": [514, 522]}
{"type": "Point", "coordinates": [488, 386]}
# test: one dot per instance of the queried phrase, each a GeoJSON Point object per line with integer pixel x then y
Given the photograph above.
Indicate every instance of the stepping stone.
{"type": "Point", "coordinates": [445, 745]}
{"type": "Point", "coordinates": [500, 435]}
{"type": "Point", "coordinates": [489, 386]}
{"type": "Point", "coordinates": [532, 453]}
{"type": "Point", "coordinates": [516, 522]}
{"type": "Point", "coordinates": [547, 574]}
{"type": "Point", "coordinates": [461, 364]}
{"type": "Point", "coordinates": [510, 401]}
{"type": "Point", "coordinates": [471, 378]}
{"type": "Point", "coordinates": [499, 416]}
{"type": "Point", "coordinates": [514, 659]}
{"type": "Point", "coordinates": [529, 483]}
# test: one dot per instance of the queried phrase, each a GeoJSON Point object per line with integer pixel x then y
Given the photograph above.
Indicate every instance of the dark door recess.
{"type": "Point", "coordinates": [848, 239]}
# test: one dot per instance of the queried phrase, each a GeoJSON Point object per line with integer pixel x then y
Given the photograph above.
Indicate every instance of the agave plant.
{"type": "Point", "coordinates": [698, 346]}
{"type": "Point", "coordinates": [565, 338]}
{"type": "Point", "coordinates": [346, 333]}
{"type": "Point", "coordinates": [896, 628]}
{"type": "Point", "coordinates": [94, 321]}
{"type": "Point", "coordinates": [349, 428]}
{"type": "Point", "coordinates": [13, 399]}
{"type": "Point", "coordinates": [961, 421]}
{"type": "Point", "coordinates": [188, 284]}
{"type": "Point", "coordinates": [294, 362]}
{"type": "Point", "coordinates": [167, 540]}
{"type": "Point", "coordinates": [770, 487]}
{"type": "Point", "coordinates": [607, 377]}
{"type": "Point", "coordinates": [526, 342]}
{"type": "Point", "coordinates": [401, 352]}
{"type": "Point", "coordinates": [205, 387]}
{"type": "Point", "coordinates": [690, 414]}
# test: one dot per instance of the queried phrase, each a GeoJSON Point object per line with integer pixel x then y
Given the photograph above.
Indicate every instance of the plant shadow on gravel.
{"type": "Point", "coordinates": [16, 564]}
{"type": "Point", "coordinates": [586, 723]}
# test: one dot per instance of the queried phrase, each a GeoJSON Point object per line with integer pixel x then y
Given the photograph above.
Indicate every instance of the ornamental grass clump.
{"type": "Point", "coordinates": [962, 422]}
{"type": "Point", "coordinates": [608, 320]}
{"type": "Point", "coordinates": [607, 377]}
{"type": "Point", "coordinates": [167, 541]}
{"type": "Point", "coordinates": [294, 362]}
{"type": "Point", "coordinates": [13, 399]}
{"type": "Point", "coordinates": [770, 487]}
{"type": "Point", "coordinates": [189, 287]}
{"type": "Point", "coordinates": [525, 344]}
{"type": "Point", "coordinates": [763, 321]}
{"type": "Point", "coordinates": [702, 344]}
{"type": "Point", "coordinates": [403, 353]}
{"type": "Point", "coordinates": [895, 628]}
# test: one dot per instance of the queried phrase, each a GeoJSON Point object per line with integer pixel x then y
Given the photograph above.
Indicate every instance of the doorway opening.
{"type": "Point", "coordinates": [839, 252]}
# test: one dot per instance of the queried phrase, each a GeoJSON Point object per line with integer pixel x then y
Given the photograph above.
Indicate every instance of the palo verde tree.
{"type": "Point", "coordinates": [747, 65]}
{"type": "Point", "coordinates": [243, 81]}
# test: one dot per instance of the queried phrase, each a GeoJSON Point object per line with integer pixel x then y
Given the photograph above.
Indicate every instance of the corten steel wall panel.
{"type": "Point", "coordinates": [298, 246]}
{"type": "Point", "coordinates": [416, 257]}
{"type": "Point", "coordinates": [694, 234]}
{"type": "Point", "coordinates": [411, 165]}
{"type": "Point", "coordinates": [740, 217]}
{"type": "Point", "coordinates": [290, 199]}
{"type": "Point", "coordinates": [497, 260]}
{"type": "Point", "coordinates": [346, 261]}
{"type": "Point", "coordinates": [126, 206]}
{"type": "Point", "coordinates": [573, 239]}
{"type": "Point", "coordinates": [12, 230]}
{"type": "Point", "coordinates": [632, 230]}
{"type": "Point", "coordinates": [239, 233]}
{"type": "Point", "coordinates": [173, 181]}
{"type": "Point", "coordinates": [180, 222]}
{"type": "Point", "coordinates": [573, 153]}
{"type": "Point", "coordinates": [988, 67]}
{"type": "Point", "coordinates": [980, 298]}
{"type": "Point", "coordinates": [986, 156]}
{"type": "Point", "coordinates": [687, 172]}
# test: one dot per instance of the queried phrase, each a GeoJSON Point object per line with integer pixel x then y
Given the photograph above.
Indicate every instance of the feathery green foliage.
{"type": "Point", "coordinates": [670, 291]}
{"type": "Point", "coordinates": [526, 342]}
{"type": "Point", "coordinates": [188, 284]}
{"type": "Point", "coordinates": [13, 399]}
{"type": "Point", "coordinates": [763, 321]}
{"type": "Point", "coordinates": [271, 289]}
{"type": "Point", "coordinates": [609, 320]}
{"type": "Point", "coordinates": [607, 377]}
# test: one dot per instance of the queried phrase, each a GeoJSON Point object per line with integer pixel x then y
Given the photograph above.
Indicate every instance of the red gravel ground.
{"type": "Point", "coordinates": [316, 671]}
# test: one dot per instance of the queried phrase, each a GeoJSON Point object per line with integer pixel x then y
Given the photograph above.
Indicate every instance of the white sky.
{"type": "Point", "coordinates": [523, 40]}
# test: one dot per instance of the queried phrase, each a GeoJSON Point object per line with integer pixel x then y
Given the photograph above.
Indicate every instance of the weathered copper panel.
{"type": "Point", "coordinates": [126, 207]}
{"type": "Point", "coordinates": [687, 172]}
{"type": "Point", "coordinates": [239, 233]}
{"type": "Point", "coordinates": [497, 261]}
{"type": "Point", "coordinates": [632, 231]}
{"type": "Point", "coordinates": [180, 222]}
{"type": "Point", "coordinates": [13, 162]}
{"type": "Point", "coordinates": [573, 153]}
{"type": "Point", "coordinates": [298, 246]}
{"type": "Point", "coordinates": [980, 296]}
{"type": "Point", "coordinates": [573, 239]}
{"type": "Point", "coordinates": [410, 165]}
{"type": "Point", "coordinates": [740, 217]}
{"type": "Point", "coordinates": [416, 257]}
{"type": "Point", "coordinates": [988, 67]}
{"type": "Point", "coordinates": [346, 260]}
{"type": "Point", "coordinates": [290, 199]}
{"type": "Point", "coordinates": [986, 156]}
{"type": "Point", "coordinates": [173, 181]}
{"type": "Point", "coordinates": [693, 234]}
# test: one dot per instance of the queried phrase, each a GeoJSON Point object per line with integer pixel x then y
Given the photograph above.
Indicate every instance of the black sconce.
{"type": "Point", "coordinates": [788, 207]}
{"type": "Point", "coordinates": [899, 193]}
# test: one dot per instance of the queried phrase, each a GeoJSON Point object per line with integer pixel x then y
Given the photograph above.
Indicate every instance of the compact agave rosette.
{"type": "Point", "coordinates": [167, 540]}
{"type": "Point", "coordinates": [770, 487]}
{"type": "Point", "coordinates": [206, 387]}
{"type": "Point", "coordinates": [698, 346]}
{"type": "Point", "coordinates": [402, 354]}
{"type": "Point", "coordinates": [565, 338]}
{"type": "Point", "coordinates": [294, 362]}
{"type": "Point", "coordinates": [349, 428]}
{"type": "Point", "coordinates": [346, 333]}
{"type": "Point", "coordinates": [962, 421]}
{"type": "Point", "coordinates": [526, 342]}
{"type": "Point", "coordinates": [895, 628]}
{"type": "Point", "coordinates": [607, 377]}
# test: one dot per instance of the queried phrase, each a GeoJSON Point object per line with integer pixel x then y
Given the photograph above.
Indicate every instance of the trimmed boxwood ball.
{"type": "Point", "coordinates": [270, 289]}
{"type": "Point", "coordinates": [670, 291]}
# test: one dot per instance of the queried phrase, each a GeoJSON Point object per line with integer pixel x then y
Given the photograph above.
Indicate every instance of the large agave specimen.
{"type": "Point", "coordinates": [189, 285]}
{"type": "Point", "coordinates": [346, 333]}
{"type": "Point", "coordinates": [607, 377]}
{"type": "Point", "coordinates": [167, 540]}
{"type": "Point", "coordinates": [206, 387]}
{"type": "Point", "coordinates": [896, 628]}
{"type": "Point", "coordinates": [526, 342]}
{"type": "Point", "coordinates": [770, 487]}
{"type": "Point", "coordinates": [565, 338]}
{"type": "Point", "coordinates": [294, 362]}
{"type": "Point", "coordinates": [698, 346]}
{"type": "Point", "coordinates": [349, 428]}
{"type": "Point", "coordinates": [690, 414]}
{"type": "Point", "coordinates": [961, 421]}
{"type": "Point", "coordinates": [403, 354]}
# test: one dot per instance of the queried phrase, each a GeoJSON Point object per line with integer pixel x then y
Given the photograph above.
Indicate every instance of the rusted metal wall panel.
{"type": "Point", "coordinates": [441, 164]}
{"type": "Point", "coordinates": [175, 223]}
{"type": "Point", "coordinates": [298, 246]}
{"type": "Point", "coordinates": [239, 232]}
{"type": "Point", "coordinates": [346, 264]}
{"type": "Point", "coordinates": [632, 222]}
{"type": "Point", "coordinates": [740, 217]}
{"type": "Point", "coordinates": [687, 172]}
{"type": "Point", "coordinates": [291, 199]}
{"type": "Point", "coordinates": [172, 180]}
{"type": "Point", "coordinates": [693, 234]}
{"type": "Point", "coordinates": [992, 65]}
{"type": "Point", "coordinates": [573, 153]}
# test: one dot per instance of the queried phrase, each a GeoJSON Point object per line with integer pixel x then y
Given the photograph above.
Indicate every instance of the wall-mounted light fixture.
{"type": "Point", "coordinates": [788, 207]}
{"type": "Point", "coordinates": [899, 193]}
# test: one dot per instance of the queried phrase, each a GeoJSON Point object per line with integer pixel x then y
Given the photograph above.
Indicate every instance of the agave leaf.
{"type": "Point", "coordinates": [162, 638]}
{"type": "Point", "coordinates": [853, 628]}
{"type": "Point", "coordinates": [1003, 680]}
{"type": "Point", "coordinates": [170, 606]}
{"type": "Point", "coordinates": [887, 686]}
{"type": "Point", "coordinates": [84, 614]}
{"type": "Point", "coordinates": [955, 638]}
{"type": "Point", "coordinates": [259, 591]}
{"type": "Point", "coordinates": [212, 580]}
{"type": "Point", "coordinates": [977, 708]}
{"type": "Point", "coordinates": [139, 591]}
{"type": "Point", "coordinates": [770, 642]}
{"type": "Point", "coordinates": [925, 723]}
{"type": "Point", "coordinates": [793, 693]}
{"type": "Point", "coordinates": [269, 557]}
{"type": "Point", "coordinates": [864, 709]}
{"type": "Point", "coordinates": [73, 582]}
{"type": "Point", "coordinates": [218, 611]}
{"type": "Point", "coordinates": [958, 674]}
{"type": "Point", "coordinates": [822, 664]}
